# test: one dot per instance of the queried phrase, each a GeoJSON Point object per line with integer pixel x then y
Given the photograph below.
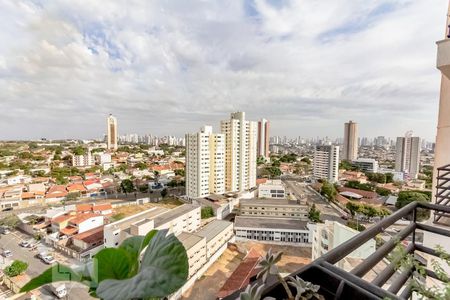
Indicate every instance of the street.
{"type": "Point", "coordinates": [327, 212]}
{"type": "Point", "coordinates": [36, 266]}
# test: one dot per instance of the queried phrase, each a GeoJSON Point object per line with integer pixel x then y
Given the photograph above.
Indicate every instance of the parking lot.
{"type": "Point", "coordinates": [35, 265]}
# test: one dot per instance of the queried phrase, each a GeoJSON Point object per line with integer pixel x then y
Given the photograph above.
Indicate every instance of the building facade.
{"type": "Point", "coordinates": [366, 164]}
{"type": "Point", "coordinates": [331, 234]}
{"type": "Point", "coordinates": [276, 208]}
{"type": "Point", "coordinates": [326, 162]}
{"type": "Point", "coordinates": [407, 156]}
{"type": "Point", "coordinates": [112, 135]}
{"type": "Point", "coordinates": [263, 138]}
{"type": "Point", "coordinates": [205, 163]}
{"type": "Point", "coordinates": [272, 189]}
{"type": "Point", "coordinates": [240, 154]}
{"type": "Point", "coordinates": [350, 149]}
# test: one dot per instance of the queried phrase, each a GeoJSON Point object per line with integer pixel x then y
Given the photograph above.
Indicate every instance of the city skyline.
{"type": "Point", "coordinates": [262, 57]}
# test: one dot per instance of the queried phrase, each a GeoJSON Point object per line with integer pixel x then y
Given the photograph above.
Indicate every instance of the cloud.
{"type": "Point", "coordinates": [168, 67]}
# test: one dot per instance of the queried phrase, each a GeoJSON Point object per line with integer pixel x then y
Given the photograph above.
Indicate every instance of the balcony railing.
{"type": "Point", "coordinates": [337, 283]}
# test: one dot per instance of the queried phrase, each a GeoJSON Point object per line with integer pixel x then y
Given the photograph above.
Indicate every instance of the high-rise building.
{"type": "Point", "coordinates": [350, 149]}
{"type": "Point", "coordinates": [205, 163]}
{"type": "Point", "coordinates": [263, 138]}
{"type": "Point", "coordinates": [326, 162]}
{"type": "Point", "coordinates": [112, 132]}
{"type": "Point", "coordinates": [407, 156]}
{"type": "Point", "coordinates": [240, 157]}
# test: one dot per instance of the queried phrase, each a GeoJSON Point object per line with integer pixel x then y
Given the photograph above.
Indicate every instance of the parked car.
{"type": "Point", "coordinates": [48, 259]}
{"type": "Point", "coordinates": [59, 289]}
{"type": "Point", "coordinates": [5, 231]}
{"type": "Point", "coordinates": [6, 253]}
{"type": "Point", "coordinates": [41, 255]}
{"type": "Point", "coordinates": [25, 244]}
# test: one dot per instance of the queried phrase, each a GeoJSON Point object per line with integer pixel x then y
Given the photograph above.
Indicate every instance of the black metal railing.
{"type": "Point", "coordinates": [337, 283]}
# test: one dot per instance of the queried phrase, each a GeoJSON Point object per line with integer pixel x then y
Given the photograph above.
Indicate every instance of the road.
{"type": "Point", "coordinates": [35, 265]}
{"type": "Point", "coordinates": [327, 212]}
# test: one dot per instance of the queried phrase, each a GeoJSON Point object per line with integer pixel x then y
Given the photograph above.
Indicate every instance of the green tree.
{"type": "Point", "coordinates": [260, 160]}
{"type": "Point", "coordinates": [314, 214]}
{"type": "Point", "coordinates": [10, 221]}
{"type": "Point", "coordinates": [306, 160]}
{"type": "Point", "coordinates": [127, 186]}
{"type": "Point", "coordinates": [207, 212]}
{"type": "Point", "coordinates": [141, 165]}
{"type": "Point", "coordinates": [180, 172]}
{"type": "Point", "coordinates": [382, 191]}
{"type": "Point", "coordinates": [73, 196]}
{"type": "Point", "coordinates": [389, 177]}
{"type": "Point", "coordinates": [346, 165]}
{"type": "Point", "coordinates": [328, 190]}
{"type": "Point", "coordinates": [276, 163]}
{"type": "Point", "coordinates": [406, 197]}
{"type": "Point", "coordinates": [16, 268]}
{"type": "Point", "coordinates": [164, 193]}
{"type": "Point", "coordinates": [353, 207]}
{"type": "Point", "coordinates": [79, 150]}
{"type": "Point", "coordinates": [272, 171]}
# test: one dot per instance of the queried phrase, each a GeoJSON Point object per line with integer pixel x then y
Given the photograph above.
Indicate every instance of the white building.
{"type": "Point", "coordinates": [331, 234]}
{"type": "Point", "coordinates": [326, 162]}
{"type": "Point", "coordinates": [112, 133]}
{"type": "Point", "coordinates": [272, 189]}
{"type": "Point", "coordinates": [407, 156]}
{"type": "Point", "coordinates": [205, 163]}
{"type": "Point", "coordinates": [240, 157]}
{"type": "Point", "coordinates": [84, 160]}
{"type": "Point", "coordinates": [366, 164]}
{"type": "Point", "coordinates": [182, 218]}
{"type": "Point", "coordinates": [350, 149]}
{"type": "Point", "coordinates": [273, 230]}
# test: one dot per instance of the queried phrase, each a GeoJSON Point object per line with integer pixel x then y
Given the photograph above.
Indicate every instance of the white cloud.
{"type": "Point", "coordinates": [168, 67]}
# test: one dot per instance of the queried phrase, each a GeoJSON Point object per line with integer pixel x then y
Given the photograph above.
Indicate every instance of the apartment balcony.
{"type": "Point", "coordinates": [386, 282]}
{"type": "Point", "coordinates": [443, 57]}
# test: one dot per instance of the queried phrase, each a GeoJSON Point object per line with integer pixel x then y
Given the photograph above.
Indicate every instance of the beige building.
{"type": "Point", "coordinates": [350, 149]}
{"type": "Point", "coordinates": [195, 249]}
{"type": "Point", "coordinates": [273, 208]}
{"type": "Point", "coordinates": [216, 233]}
{"type": "Point", "coordinates": [263, 138]}
{"type": "Point", "coordinates": [112, 133]}
{"type": "Point", "coordinates": [240, 154]}
{"type": "Point", "coordinates": [205, 163]}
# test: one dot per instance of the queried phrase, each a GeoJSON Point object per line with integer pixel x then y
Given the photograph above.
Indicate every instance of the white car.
{"type": "Point", "coordinates": [25, 244]}
{"type": "Point", "coordinates": [48, 259]}
{"type": "Point", "coordinates": [6, 253]}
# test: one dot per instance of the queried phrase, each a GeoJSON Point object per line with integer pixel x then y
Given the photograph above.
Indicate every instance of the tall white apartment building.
{"type": "Point", "coordinates": [407, 156]}
{"type": "Point", "coordinates": [83, 160]}
{"type": "Point", "coordinates": [240, 154]}
{"type": "Point", "coordinates": [326, 162]}
{"type": "Point", "coordinates": [263, 138]}
{"type": "Point", "coordinates": [205, 163]}
{"type": "Point", "coordinates": [112, 133]}
{"type": "Point", "coordinates": [350, 149]}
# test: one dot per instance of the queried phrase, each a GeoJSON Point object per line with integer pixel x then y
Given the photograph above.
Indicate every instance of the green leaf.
{"type": "Point", "coordinates": [111, 263]}
{"type": "Point", "coordinates": [54, 274]}
{"type": "Point", "coordinates": [164, 270]}
{"type": "Point", "coordinates": [134, 246]}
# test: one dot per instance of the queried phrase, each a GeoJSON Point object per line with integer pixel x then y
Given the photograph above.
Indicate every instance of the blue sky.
{"type": "Point", "coordinates": [169, 67]}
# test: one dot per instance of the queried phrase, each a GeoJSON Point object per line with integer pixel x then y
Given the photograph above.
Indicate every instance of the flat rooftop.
{"type": "Point", "coordinates": [147, 214]}
{"type": "Point", "coordinates": [275, 202]}
{"type": "Point", "coordinates": [189, 239]}
{"type": "Point", "coordinates": [252, 222]}
{"type": "Point", "coordinates": [212, 229]}
{"type": "Point", "coordinates": [174, 213]}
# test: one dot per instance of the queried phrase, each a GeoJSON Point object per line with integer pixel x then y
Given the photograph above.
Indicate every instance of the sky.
{"type": "Point", "coordinates": [169, 67]}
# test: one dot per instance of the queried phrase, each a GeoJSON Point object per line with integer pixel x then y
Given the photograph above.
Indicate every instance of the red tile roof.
{"type": "Point", "coordinates": [69, 230]}
{"type": "Point", "coordinates": [241, 276]}
{"type": "Point", "coordinates": [62, 218]}
{"type": "Point", "coordinates": [83, 217]}
{"type": "Point", "coordinates": [76, 187]}
{"type": "Point", "coordinates": [90, 236]}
